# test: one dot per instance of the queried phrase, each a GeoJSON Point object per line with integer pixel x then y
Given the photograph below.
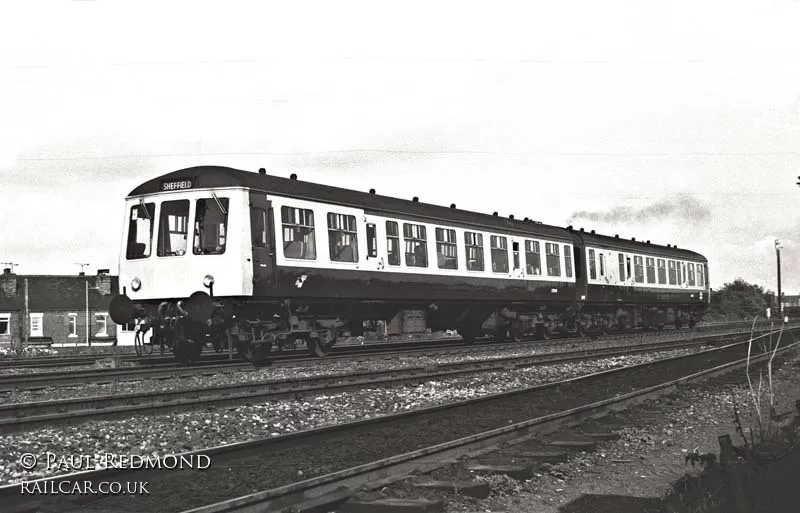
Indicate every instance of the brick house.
{"type": "Point", "coordinates": [52, 310]}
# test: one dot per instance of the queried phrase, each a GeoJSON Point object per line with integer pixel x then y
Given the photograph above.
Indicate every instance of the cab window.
{"type": "Point", "coordinates": [140, 231]}
{"type": "Point", "coordinates": [210, 225]}
{"type": "Point", "coordinates": [173, 228]}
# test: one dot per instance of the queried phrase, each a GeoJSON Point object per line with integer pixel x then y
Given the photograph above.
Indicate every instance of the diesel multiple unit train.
{"type": "Point", "coordinates": [220, 255]}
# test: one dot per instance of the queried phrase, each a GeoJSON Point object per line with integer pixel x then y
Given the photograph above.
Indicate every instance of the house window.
{"type": "Point", "coordinates": [210, 225]}
{"type": "Point", "coordinates": [173, 228]}
{"type": "Point", "coordinates": [651, 270]}
{"type": "Point", "coordinates": [416, 239]}
{"type": "Point", "coordinates": [553, 259]}
{"type": "Point", "coordinates": [392, 243]}
{"type": "Point", "coordinates": [446, 248]}
{"type": "Point", "coordinates": [37, 324]}
{"type": "Point", "coordinates": [499, 247]}
{"type": "Point", "coordinates": [638, 269]}
{"type": "Point", "coordinates": [592, 268]}
{"type": "Point", "coordinates": [662, 271]}
{"type": "Point", "coordinates": [473, 243]}
{"type": "Point", "coordinates": [533, 258]}
{"type": "Point", "coordinates": [101, 324]}
{"type": "Point", "coordinates": [5, 323]}
{"type": "Point", "coordinates": [568, 261]}
{"type": "Point", "coordinates": [672, 276]}
{"type": "Point", "coordinates": [342, 238]}
{"type": "Point", "coordinates": [72, 324]}
{"type": "Point", "coordinates": [298, 233]}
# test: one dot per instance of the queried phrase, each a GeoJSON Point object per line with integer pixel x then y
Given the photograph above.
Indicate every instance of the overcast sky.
{"type": "Point", "coordinates": [677, 122]}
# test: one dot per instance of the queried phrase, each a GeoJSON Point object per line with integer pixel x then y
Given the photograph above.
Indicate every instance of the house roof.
{"type": "Point", "coordinates": [51, 292]}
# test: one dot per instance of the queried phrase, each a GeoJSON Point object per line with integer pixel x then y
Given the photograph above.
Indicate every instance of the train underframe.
{"type": "Point", "coordinates": [259, 328]}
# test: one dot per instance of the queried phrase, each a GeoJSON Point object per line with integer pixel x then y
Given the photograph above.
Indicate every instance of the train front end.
{"type": "Point", "coordinates": [182, 264]}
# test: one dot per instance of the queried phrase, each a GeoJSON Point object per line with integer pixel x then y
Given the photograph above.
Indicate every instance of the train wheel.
{"type": "Point", "coordinates": [542, 333]}
{"type": "Point", "coordinates": [468, 336]}
{"type": "Point", "coordinates": [580, 330]}
{"type": "Point", "coordinates": [256, 352]}
{"type": "Point", "coordinates": [678, 324]}
{"type": "Point", "coordinates": [186, 351]}
{"type": "Point", "coordinates": [320, 347]}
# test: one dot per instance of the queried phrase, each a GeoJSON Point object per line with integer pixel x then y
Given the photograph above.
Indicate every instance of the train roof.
{"type": "Point", "coordinates": [643, 247]}
{"type": "Point", "coordinates": [209, 177]}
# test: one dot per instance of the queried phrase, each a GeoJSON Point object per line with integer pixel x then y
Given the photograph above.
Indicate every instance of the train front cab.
{"type": "Point", "coordinates": [175, 278]}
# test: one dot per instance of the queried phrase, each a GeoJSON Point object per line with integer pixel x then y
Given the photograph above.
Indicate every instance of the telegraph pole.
{"type": "Point", "coordinates": [778, 247]}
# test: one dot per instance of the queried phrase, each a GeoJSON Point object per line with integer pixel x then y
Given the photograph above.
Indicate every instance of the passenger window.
{"type": "Point", "coordinates": [515, 252]}
{"type": "Point", "coordinates": [210, 224]}
{"type": "Point", "coordinates": [602, 259]}
{"type": "Point", "coordinates": [372, 241]}
{"type": "Point", "coordinates": [679, 273]}
{"type": "Point", "coordinates": [140, 231]}
{"type": "Point", "coordinates": [298, 233]}
{"type": "Point", "coordinates": [651, 270]}
{"type": "Point", "coordinates": [416, 245]}
{"type": "Point", "coordinates": [446, 248]}
{"type": "Point", "coordinates": [342, 238]}
{"type": "Point", "coordinates": [499, 254]}
{"type": "Point", "coordinates": [553, 259]}
{"type": "Point", "coordinates": [662, 272]}
{"type": "Point", "coordinates": [672, 275]}
{"type": "Point", "coordinates": [173, 228]}
{"type": "Point", "coordinates": [592, 265]}
{"type": "Point", "coordinates": [473, 243]}
{"type": "Point", "coordinates": [533, 258]}
{"type": "Point", "coordinates": [568, 261]}
{"type": "Point", "coordinates": [700, 279]}
{"type": "Point", "coordinates": [638, 269]}
{"type": "Point", "coordinates": [691, 275]}
{"type": "Point", "coordinates": [628, 276]}
{"type": "Point", "coordinates": [392, 243]}
{"type": "Point", "coordinates": [622, 276]}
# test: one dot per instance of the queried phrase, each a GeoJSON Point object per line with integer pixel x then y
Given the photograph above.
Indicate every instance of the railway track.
{"type": "Point", "coordinates": [324, 466]}
{"type": "Point", "coordinates": [40, 380]}
{"type": "Point", "coordinates": [208, 357]}
{"type": "Point", "coordinates": [22, 416]}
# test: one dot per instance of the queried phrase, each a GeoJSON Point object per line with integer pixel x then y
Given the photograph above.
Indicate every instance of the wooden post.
{"type": "Point", "coordinates": [732, 478]}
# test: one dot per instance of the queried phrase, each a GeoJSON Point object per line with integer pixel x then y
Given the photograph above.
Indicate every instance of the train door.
{"type": "Point", "coordinates": [516, 263]}
{"type": "Point", "coordinates": [375, 251]}
{"type": "Point", "coordinates": [262, 240]}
